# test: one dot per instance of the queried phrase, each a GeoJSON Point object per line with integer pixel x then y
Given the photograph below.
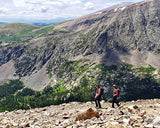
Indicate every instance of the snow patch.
{"type": "Point", "coordinates": [115, 9]}
{"type": "Point", "coordinates": [99, 13]}
{"type": "Point", "coordinates": [123, 8]}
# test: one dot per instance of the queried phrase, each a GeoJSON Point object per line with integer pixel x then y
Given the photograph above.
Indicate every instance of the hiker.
{"type": "Point", "coordinates": [115, 95]}
{"type": "Point", "coordinates": [98, 97]}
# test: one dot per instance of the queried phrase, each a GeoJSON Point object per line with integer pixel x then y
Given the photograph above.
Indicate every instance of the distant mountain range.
{"type": "Point", "coordinates": [2, 22]}
{"type": "Point", "coordinates": [38, 22]}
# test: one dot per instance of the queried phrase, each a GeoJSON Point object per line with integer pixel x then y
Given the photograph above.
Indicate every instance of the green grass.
{"type": "Point", "coordinates": [147, 70]}
{"type": "Point", "coordinates": [50, 75]}
{"type": "Point", "coordinates": [60, 89]}
{"type": "Point", "coordinates": [23, 33]}
{"type": "Point", "coordinates": [43, 31]}
{"type": "Point", "coordinates": [15, 32]}
{"type": "Point", "coordinates": [16, 28]}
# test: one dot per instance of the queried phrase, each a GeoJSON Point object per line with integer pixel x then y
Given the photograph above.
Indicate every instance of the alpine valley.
{"type": "Point", "coordinates": [41, 66]}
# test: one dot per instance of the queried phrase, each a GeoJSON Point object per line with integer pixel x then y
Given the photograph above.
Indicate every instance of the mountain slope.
{"type": "Point", "coordinates": [16, 28]}
{"type": "Point", "coordinates": [15, 33]}
{"type": "Point", "coordinates": [142, 113]}
{"type": "Point", "coordinates": [122, 30]}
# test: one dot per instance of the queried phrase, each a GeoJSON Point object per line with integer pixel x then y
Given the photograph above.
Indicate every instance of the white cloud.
{"type": "Point", "coordinates": [89, 6]}
{"type": "Point", "coordinates": [3, 10]}
{"type": "Point", "coordinates": [49, 9]}
{"type": "Point", "coordinates": [76, 2]}
{"type": "Point", "coordinates": [22, 13]}
{"type": "Point", "coordinates": [44, 9]}
{"type": "Point", "coordinates": [58, 3]}
{"type": "Point", "coordinates": [111, 4]}
{"type": "Point", "coordinates": [19, 3]}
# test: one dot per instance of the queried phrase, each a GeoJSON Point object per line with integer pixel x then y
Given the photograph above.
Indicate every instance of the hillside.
{"type": "Point", "coordinates": [19, 33]}
{"type": "Point", "coordinates": [118, 45]}
{"type": "Point", "coordinates": [16, 28]}
{"type": "Point", "coordinates": [138, 114]}
{"type": "Point", "coordinates": [13, 32]}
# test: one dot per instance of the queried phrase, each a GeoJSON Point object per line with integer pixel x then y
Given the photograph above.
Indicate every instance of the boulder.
{"type": "Point", "coordinates": [7, 126]}
{"type": "Point", "coordinates": [156, 121]}
{"type": "Point", "coordinates": [126, 121]}
{"type": "Point", "coordinates": [133, 109]}
{"type": "Point", "coordinates": [102, 102]}
{"type": "Point", "coordinates": [132, 121]}
{"type": "Point", "coordinates": [27, 125]}
{"type": "Point", "coordinates": [143, 113]}
{"type": "Point", "coordinates": [136, 125]}
{"type": "Point", "coordinates": [149, 126]}
{"type": "Point", "coordinates": [114, 125]}
{"type": "Point", "coordinates": [88, 103]}
{"type": "Point", "coordinates": [144, 117]}
{"type": "Point", "coordinates": [87, 114]}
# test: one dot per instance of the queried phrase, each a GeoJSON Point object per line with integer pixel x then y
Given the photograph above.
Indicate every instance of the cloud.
{"type": "Point", "coordinates": [3, 10]}
{"type": "Point", "coordinates": [42, 2]}
{"type": "Point", "coordinates": [19, 3]}
{"type": "Point", "coordinates": [58, 3]}
{"type": "Point", "coordinates": [49, 9]}
{"type": "Point", "coordinates": [44, 9]}
{"type": "Point", "coordinates": [23, 13]}
{"type": "Point", "coordinates": [89, 6]}
{"type": "Point", "coordinates": [33, 2]}
{"type": "Point", "coordinates": [76, 2]}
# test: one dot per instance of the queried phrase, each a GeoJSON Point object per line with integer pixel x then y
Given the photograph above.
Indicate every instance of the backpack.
{"type": "Point", "coordinates": [102, 90]}
{"type": "Point", "coordinates": [119, 92]}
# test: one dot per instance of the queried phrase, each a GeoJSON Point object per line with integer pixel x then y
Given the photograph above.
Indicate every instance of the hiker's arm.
{"type": "Point", "coordinates": [116, 93]}
{"type": "Point", "coordinates": [99, 92]}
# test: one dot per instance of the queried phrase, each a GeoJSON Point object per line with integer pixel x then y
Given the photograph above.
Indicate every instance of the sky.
{"type": "Point", "coordinates": [50, 9]}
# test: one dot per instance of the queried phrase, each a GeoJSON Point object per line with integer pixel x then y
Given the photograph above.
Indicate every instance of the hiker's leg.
{"type": "Point", "coordinates": [116, 101]}
{"type": "Point", "coordinates": [99, 104]}
{"type": "Point", "coordinates": [96, 102]}
{"type": "Point", "coordinates": [113, 101]}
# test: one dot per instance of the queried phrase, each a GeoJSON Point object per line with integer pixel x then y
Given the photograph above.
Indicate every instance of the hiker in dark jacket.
{"type": "Point", "coordinates": [98, 97]}
{"type": "Point", "coordinates": [115, 95]}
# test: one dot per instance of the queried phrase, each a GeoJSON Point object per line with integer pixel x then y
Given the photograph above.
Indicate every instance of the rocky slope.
{"type": "Point", "coordinates": [119, 45]}
{"type": "Point", "coordinates": [135, 114]}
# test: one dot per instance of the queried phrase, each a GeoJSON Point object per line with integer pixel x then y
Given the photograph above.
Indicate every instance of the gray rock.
{"type": "Point", "coordinates": [156, 122]}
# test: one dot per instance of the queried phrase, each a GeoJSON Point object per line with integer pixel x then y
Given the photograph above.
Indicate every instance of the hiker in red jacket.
{"type": "Point", "coordinates": [115, 95]}
{"type": "Point", "coordinates": [98, 97]}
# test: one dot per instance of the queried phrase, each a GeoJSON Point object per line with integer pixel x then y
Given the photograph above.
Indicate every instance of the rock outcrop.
{"type": "Point", "coordinates": [134, 114]}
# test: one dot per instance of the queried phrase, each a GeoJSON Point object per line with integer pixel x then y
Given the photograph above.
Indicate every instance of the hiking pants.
{"type": "Point", "coordinates": [97, 101]}
{"type": "Point", "coordinates": [115, 101]}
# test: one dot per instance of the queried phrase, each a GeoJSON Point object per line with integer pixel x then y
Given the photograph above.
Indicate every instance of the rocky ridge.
{"type": "Point", "coordinates": [134, 114]}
